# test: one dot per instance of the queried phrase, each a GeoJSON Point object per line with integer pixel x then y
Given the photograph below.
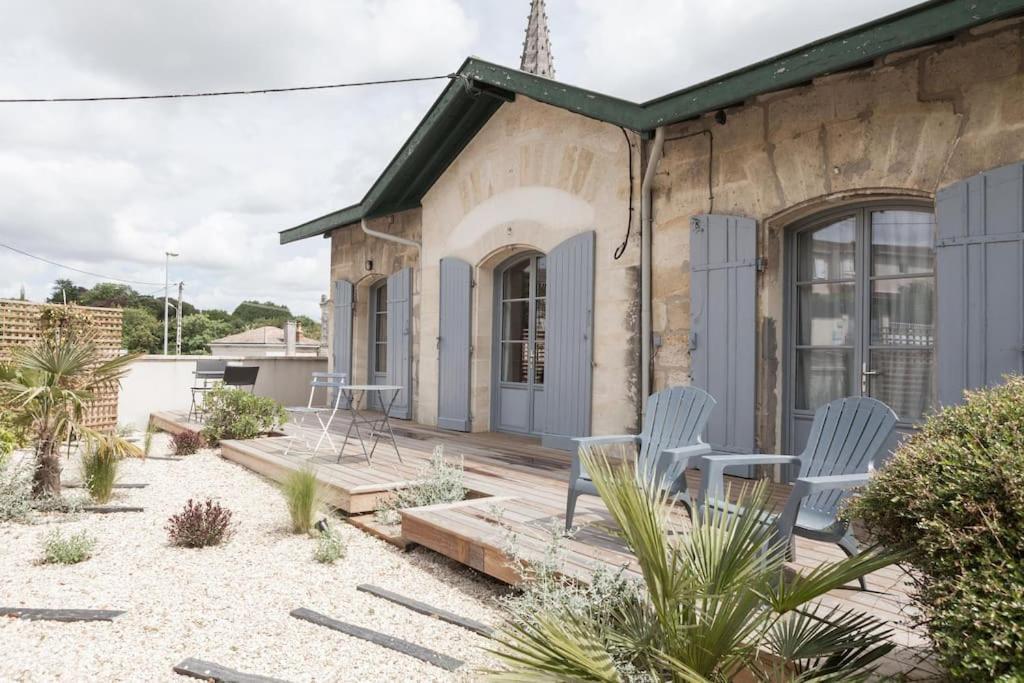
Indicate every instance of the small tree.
{"type": "Point", "coordinates": [48, 387]}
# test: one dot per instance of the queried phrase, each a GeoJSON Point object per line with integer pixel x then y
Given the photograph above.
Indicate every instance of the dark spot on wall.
{"type": "Point", "coordinates": [767, 398]}
{"type": "Point", "coordinates": [631, 352]}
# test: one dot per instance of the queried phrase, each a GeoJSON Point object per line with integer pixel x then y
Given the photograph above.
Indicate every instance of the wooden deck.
{"type": "Point", "coordinates": [518, 491]}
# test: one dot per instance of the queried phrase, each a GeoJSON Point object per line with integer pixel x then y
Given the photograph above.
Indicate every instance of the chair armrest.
{"type": "Point", "coordinates": [840, 482]}
{"type": "Point", "coordinates": [805, 486]}
{"type": "Point", "coordinates": [713, 468]}
{"type": "Point", "coordinates": [605, 440]}
{"type": "Point", "coordinates": [689, 451]}
{"type": "Point", "coordinates": [666, 472]}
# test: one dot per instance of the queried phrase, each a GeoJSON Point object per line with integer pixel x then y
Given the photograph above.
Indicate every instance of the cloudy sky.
{"type": "Point", "coordinates": [109, 187]}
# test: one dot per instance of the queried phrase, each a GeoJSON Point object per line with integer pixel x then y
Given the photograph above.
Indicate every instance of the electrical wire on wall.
{"type": "Point", "coordinates": [711, 160]}
{"type": "Point", "coordinates": [621, 249]}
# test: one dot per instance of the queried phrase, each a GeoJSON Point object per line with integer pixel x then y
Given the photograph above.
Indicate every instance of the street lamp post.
{"type": "Point", "coordinates": [167, 266]}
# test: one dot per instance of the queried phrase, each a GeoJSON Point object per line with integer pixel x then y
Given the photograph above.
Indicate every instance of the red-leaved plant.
{"type": "Point", "coordinates": [187, 442]}
{"type": "Point", "coordinates": [200, 525]}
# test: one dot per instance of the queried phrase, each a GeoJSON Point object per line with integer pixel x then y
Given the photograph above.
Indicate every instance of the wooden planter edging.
{"type": "Point", "coordinates": [110, 509]}
{"type": "Point", "coordinates": [208, 671]}
{"type": "Point", "coordinates": [34, 614]}
{"type": "Point", "coordinates": [397, 644]}
{"type": "Point", "coordinates": [423, 608]}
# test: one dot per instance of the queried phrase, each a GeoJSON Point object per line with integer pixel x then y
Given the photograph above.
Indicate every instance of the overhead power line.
{"type": "Point", "coordinates": [79, 270]}
{"type": "Point", "coordinates": [217, 93]}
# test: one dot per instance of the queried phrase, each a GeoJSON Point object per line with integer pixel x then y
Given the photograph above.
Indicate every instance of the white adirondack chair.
{"type": "Point", "coordinates": [846, 437]}
{"type": "Point", "coordinates": [675, 419]}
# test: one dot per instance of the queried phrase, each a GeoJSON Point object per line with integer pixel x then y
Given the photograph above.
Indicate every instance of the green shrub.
{"type": "Point", "coordinates": [58, 549]}
{"type": "Point", "coordinates": [954, 495]}
{"type": "Point", "coordinates": [437, 482]}
{"type": "Point", "coordinates": [99, 471]}
{"type": "Point", "coordinates": [330, 547]}
{"type": "Point", "coordinates": [237, 414]}
{"type": "Point", "coordinates": [12, 435]}
{"type": "Point", "coordinates": [302, 495]}
{"type": "Point", "coordinates": [15, 492]}
{"type": "Point", "coordinates": [187, 442]}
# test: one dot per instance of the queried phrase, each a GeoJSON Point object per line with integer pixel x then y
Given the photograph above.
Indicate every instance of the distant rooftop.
{"type": "Point", "coordinates": [262, 335]}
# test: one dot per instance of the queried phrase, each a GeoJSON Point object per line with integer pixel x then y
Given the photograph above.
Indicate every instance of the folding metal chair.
{"type": "Point", "coordinates": [208, 373]}
{"type": "Point", "coordinates": [241, 376]}
{"type": "Point", "coordinates": [331, 383]}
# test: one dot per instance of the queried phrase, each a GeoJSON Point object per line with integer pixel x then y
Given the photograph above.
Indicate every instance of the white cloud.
{"type": "Point", "coordinates": [108, 187]}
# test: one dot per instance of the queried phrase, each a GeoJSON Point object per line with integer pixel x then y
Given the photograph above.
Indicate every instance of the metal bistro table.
{"type": "Point", "coordinates": [379, 427]}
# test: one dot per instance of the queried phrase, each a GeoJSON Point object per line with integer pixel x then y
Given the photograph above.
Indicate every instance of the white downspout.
{"type": "Point", "coordinates": [646, 227]}
{"type": "Point", "coordinates": [389, 238]}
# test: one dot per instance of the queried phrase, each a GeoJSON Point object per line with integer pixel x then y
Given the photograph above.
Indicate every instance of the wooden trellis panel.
{"type": "Point", "coordinates": [20, 326]}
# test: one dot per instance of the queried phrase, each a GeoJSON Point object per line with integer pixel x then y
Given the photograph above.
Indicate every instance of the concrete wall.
{"type": "Point", "coordinates": [159, 383]}
{"type": "Point", "coordinates": [531, 178]}
{"type": "Point", "coordinates": [902, 128]}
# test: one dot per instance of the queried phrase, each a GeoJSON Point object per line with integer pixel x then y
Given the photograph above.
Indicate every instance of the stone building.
{"type": "Point", "coordinates": [843, 219]}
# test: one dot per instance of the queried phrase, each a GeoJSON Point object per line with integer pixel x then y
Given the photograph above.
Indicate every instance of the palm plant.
{"type": "Point", "coordinates": [49, 386]}
{"type": "Point", "coordinates": [714, 605]}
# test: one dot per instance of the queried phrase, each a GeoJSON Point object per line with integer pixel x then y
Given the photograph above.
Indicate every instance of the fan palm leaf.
{"type": "Point", "coordinates": [715, 602]}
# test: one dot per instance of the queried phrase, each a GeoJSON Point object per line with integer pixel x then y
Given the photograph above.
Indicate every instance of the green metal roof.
{"type": "Point", "coordinates": [478, 89]}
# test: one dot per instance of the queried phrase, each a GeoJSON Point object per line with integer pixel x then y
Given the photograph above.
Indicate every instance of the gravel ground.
{"type": "Point", "coordinates": [226, 604]}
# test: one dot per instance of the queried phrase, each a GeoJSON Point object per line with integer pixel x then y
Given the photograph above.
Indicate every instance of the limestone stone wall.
{"type": "Point", "coordinates": [364, 261]}
{"type": "Point", "coordinates": [902, 127]}
{"type": "Point", "coordinates": [534, 176]}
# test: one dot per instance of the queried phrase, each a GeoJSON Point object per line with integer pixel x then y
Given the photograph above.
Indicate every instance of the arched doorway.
{"type": "Point", "coordinates": [861, 302]}
{"type": "Point", "coordinates": [520, 314]}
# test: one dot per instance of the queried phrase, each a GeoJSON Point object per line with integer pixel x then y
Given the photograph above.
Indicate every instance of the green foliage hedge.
{"type": "Point", "coordinates": [954, 495]}
{"type": "Point", "coordinates": [237, 414]}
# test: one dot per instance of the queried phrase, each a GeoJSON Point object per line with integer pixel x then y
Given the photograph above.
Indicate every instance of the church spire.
{"type": "Point", "coordinates": [537, 46]}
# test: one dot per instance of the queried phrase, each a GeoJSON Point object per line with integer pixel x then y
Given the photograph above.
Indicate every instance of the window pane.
{"type": "Point", "coordinates": [827, 253]}
{"type": "Point", "coordinates": [516, 281]}
{"type": "Point", "coordinates": [382, 298]}
{"type": "Point", "coordinates": [540, 310]}
{"type": "Point", "coordinates": [902, 242]}
{"type": "Point", "coordinates": [542, 276]}
{"type": "Point", "coordinates": [515, 316]}
{"type": "Point", "coordinates": [904, 382]}
{"type": "Point", "coordinates": [380, 359]}
{"type": "Point", "coordinates": [825, 314]}
{"type": "Point", "coordinates": [902, 311]}
{"type": "Point", "coordinates": [381, 328]}
{"type": "Point", "coordinates": [513, 362]}
{"type": "Point", "coordinates": [821, 376]}
{"type": "Point", "coordinates": [538, 364]}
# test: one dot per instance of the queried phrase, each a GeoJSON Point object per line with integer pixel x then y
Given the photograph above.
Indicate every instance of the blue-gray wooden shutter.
{"type": "Point", "coordinates": [569, 341]}
{"type": "Point", "coordinates": [341, 340]}
{"type": "Point", "coordinates": [979, 271]}
{"type": "Point", "coordinates": [453, 345]}
{"type": "Point", "coordinates": [400, 340]}
{"type": "Point", "coordinates": [723, 297]}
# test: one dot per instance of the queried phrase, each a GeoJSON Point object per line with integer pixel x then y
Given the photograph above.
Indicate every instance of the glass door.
{"type": "Point", "coordinates": [378, 323]}
{"type": "Point", "coordinates": [862, 322]}
{"type": "Point", "coordinates": [521, 321]}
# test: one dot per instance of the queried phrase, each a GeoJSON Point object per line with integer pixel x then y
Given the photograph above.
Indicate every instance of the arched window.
{"type": "Point", "coordinates": [862, 311]}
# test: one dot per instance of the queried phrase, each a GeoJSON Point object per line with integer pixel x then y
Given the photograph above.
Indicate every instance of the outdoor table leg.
{"type": "Point", "coordinates": [354, 424]}
{"type": "Point", "coordinates": [386, 423]}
